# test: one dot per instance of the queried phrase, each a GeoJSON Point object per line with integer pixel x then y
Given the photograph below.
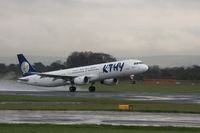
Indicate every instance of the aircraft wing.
{"type": "Point", "coordinates": [64, 77]}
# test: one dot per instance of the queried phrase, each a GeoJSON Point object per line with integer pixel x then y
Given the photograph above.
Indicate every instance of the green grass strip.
{"type": "Point", "coordinates": [46, 128]}
{"type": "Point", "coordinates": [95, 104]}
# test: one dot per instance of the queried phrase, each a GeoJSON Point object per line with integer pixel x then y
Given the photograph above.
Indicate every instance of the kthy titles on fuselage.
{"type": "Point", "coordinates": [113, 67]}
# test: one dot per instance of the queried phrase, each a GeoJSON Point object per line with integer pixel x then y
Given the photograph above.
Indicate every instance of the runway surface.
{"type": "Point", "coordinates": [98, 117]}
{"type": "Point", "coordinates": [164, 97]}
{"type": "Point", "coordinates": [101, 117]}
{"type": "Point", "coordinates": [8, 87]}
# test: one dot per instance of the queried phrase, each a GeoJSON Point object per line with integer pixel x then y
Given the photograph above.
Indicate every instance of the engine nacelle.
{"type": "Point", "coordinates": [81, 80]}
{"type": "Point", "coordinates": [112, 81]}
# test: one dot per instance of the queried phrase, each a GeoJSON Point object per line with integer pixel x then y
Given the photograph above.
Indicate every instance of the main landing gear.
{"type": "Point", "coordinates": [73, 89]}
{"type": "Point", "coordinates": [92, 89]}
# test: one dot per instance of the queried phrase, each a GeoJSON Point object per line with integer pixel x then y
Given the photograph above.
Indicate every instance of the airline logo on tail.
{"type": "Point", "coordinates": [25, 67]}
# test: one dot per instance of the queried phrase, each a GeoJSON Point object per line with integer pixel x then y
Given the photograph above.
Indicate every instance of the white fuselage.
{"type": "Point", "coordinates": [95, 73]}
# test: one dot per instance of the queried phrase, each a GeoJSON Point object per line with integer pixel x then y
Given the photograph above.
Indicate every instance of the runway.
{"type": "Point", "coordinates": [101, 117]}
{"type": "Point", "coordinates": [98, 117]}
{"type": "Point", "coordinates": [164, 97]}
{"type": "Point", "coordinates": [13, 88]}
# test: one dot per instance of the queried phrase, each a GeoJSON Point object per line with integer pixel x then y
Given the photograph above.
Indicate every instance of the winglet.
{"type": "Point", "coordinates": [25, 66]}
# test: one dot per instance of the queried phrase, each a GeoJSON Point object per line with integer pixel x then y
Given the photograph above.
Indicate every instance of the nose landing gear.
{"type": "Point", "coordinates": [132, 79]}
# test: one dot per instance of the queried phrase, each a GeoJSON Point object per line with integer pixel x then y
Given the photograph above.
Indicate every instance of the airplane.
{"type": "Point", "coordinates": [105, 73]}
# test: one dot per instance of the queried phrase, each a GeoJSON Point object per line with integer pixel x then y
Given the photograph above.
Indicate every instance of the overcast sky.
{"type": "Point", "coordinates": [123, 28]}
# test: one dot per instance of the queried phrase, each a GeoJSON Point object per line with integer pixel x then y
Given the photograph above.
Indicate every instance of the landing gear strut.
{"type": "Point", "coordinates": [132, 79]}
{"type": "Point", "coordinates": [92, 89]}
{"type": "Point", "coordinates": [72, 89]}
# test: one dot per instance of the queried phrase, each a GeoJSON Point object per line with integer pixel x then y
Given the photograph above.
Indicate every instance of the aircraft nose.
{"type": "Point", "coordinates": [145, 67]}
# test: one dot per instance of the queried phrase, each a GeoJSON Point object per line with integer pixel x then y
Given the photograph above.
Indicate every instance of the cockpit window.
{"type": "Point", "coordinates": [137, 63]}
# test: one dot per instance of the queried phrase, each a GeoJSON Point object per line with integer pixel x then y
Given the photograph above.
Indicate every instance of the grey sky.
{"type": "Point", "coordinates": [123, 28]}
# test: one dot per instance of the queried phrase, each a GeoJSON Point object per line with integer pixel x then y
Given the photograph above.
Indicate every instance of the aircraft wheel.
{"type": "Point", "coordinates": [72, 89]}
{"type": "Point", "coordinates": [92, 89]}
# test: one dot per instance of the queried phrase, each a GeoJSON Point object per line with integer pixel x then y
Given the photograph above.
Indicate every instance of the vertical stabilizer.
{"type": "Point", "coordinates": [25, 66]}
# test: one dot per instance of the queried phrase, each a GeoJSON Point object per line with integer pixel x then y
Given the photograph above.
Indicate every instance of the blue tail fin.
{"type": "Point", "coordinates": [25, 66]}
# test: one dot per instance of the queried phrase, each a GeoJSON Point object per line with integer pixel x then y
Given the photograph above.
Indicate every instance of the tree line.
{"type": "Point", "coordinates": [179, 73]}
{"type": "Point", "coordinates": [77, 59]}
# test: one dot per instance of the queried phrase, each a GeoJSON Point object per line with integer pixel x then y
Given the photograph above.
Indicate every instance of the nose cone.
{"type": "Point", "coordinates": [145, 67]}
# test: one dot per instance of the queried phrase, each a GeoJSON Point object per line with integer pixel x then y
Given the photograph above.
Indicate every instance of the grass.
{"type": "Point", "coordinates": [139, 87]}
{"type": "Point", "coordinates": [45, 128]}
{"type": "Point", "coordinates": [8, 102]}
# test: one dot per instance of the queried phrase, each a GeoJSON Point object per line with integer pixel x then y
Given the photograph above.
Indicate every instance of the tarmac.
{"type": "Point", "coordinates": [98, 117]}
{"type": "Point", "coordinates": [161, 97]}
{"type": "Point", "coordinates": [101, 117]}
{"type": "Point", "coordinates": [13, 88]}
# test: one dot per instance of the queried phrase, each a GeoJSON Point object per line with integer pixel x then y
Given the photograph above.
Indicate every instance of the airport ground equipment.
{"type": "Point", "coordinates": [125, 107]}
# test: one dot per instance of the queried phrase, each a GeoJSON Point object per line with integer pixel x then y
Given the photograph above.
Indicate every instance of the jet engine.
{"type": "Point", "coordinates": [112, 81]}
{"type": "Point", "coordinates": [81, 80]}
